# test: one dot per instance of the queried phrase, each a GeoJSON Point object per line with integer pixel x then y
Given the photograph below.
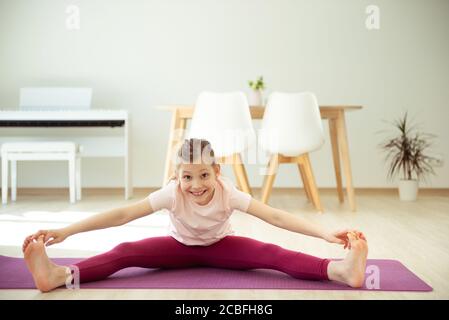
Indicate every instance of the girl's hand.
{"type": "Point", "coordinates": [56, 236]}
{"type": "Point", "coordinates": [341, 237]}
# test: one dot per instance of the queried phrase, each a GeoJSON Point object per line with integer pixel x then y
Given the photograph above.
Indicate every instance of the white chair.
{"type": "Point", "coordinates": [29, 151]}
{"type": "Point", "coordinates": [291, 128]}
{"type": "Point", "coordinates": [224, 120]}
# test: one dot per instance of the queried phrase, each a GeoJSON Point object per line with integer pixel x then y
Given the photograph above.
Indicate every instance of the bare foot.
{"type": "Point", "coordinates": [47, 275]}
{"type": "Point", "coordinates": [351, 270]}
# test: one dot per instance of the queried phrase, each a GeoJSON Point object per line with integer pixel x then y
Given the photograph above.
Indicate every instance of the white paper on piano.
{"type": "Point", "coordinates": [53, 98]}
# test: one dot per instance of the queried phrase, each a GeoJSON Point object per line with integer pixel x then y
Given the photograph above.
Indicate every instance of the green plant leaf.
{"type": "Point", "coordinates": [406, 152]}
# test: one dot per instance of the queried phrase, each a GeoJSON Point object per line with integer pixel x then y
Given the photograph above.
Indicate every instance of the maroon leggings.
{"type": "Point", "coordinates": [231, 252]}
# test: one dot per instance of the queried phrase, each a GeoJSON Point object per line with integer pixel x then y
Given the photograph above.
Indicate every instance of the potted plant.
{"type": "Point", "coordinates": [255, 96]}
{"type": "Point", "coordinates": [406, 153]}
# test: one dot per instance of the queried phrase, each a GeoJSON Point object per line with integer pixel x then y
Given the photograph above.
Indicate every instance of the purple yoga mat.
{"type": "Point", "coordinates": [381, 275]}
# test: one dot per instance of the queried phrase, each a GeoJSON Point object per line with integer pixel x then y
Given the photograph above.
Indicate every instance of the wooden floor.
{"type": "Point", "coordinates": [415, 233]}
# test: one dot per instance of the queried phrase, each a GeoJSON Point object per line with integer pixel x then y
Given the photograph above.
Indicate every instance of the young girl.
{"type": "Point", "coordinates": [200, 202]}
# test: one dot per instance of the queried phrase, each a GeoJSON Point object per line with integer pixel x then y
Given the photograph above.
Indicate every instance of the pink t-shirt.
{"type": "Point", "coordinates": [194, 224]}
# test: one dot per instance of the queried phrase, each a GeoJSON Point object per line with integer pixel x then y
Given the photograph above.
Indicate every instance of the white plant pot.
{"type": "Point", "coordinates": [255, 98]}
{"type": "Point", "coordinates": [408, 190]}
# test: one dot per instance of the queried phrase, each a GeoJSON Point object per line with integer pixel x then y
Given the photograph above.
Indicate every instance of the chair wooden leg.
{"type": "Point", "coordinates": [240, 174]}
{"type": "Point", "coordinates": [311, 182]}
{"type": "Point", "coordinates": [273, 165]}
{"type": "Point", "coordinates": [304, 182]}
{"type": "Point", "coordinates": [231, 160]}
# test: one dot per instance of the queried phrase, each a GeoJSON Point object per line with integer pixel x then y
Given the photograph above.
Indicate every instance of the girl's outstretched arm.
{"type": "Point", "coordinates": [107, 219]}
{"type": "Point", "coordinates": [112, 218]}
{"type": "Point", "coordinates": [288, 221]}
{"type": "Point", "coordinates": [285, 220]}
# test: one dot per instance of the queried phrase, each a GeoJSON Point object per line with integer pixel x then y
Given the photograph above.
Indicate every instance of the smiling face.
{"type": "Point", "coordinates": [197, 181]}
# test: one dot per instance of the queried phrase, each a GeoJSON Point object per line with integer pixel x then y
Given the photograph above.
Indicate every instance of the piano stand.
{"type": "Point", "coordinates": [92, 146]}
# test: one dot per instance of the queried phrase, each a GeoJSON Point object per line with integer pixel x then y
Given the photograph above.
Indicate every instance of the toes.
{"type": "Point", "coordinates": [351, 236]}
{"type": "Point", "coordinates": [27, 240]}
{"type": "Point", "coordinates": [40, 239]}
{"type": "Point", "coordinates": [362, 236]}
{"type": "Point", "coordinates": [25, 244]}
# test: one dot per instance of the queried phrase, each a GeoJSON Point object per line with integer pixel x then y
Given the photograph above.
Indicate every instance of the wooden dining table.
{"type": "Point", "coordinates": [335, 115]}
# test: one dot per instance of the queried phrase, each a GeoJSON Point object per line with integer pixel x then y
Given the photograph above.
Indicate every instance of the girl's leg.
{"type": "Point", "coordinates": [155, 252]}
{"type": "Point", "coordinates": [243, 253]}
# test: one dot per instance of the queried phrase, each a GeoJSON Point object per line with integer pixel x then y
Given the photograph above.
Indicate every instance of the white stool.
{"type": "Point", "coordinates": [27, 151]}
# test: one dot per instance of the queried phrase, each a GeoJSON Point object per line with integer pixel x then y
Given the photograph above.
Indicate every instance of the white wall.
{"type": "Point", "coordinates": [139, 54]}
